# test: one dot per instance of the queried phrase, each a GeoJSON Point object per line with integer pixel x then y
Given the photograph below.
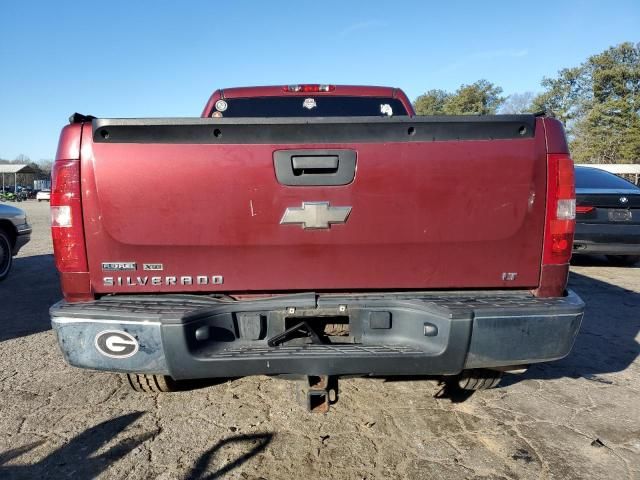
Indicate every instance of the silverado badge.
{"type": "Point", "coordinates": [315, 215]}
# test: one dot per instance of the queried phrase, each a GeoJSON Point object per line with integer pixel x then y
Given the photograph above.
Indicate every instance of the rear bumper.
{"type": "Point", "coordinates": [188, 336]}
{"type": "Point", "coordinates": [607, 239]}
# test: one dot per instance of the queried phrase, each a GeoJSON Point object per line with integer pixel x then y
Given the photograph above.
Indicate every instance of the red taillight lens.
{"type": "Point", "coordinates": [584, 209]}
{"type": "Point", "coordinates": [66, 217]}
{"type": "Point", "coordinates": [308, 88]}
{"type": "Point", "coordinates": [561, 210]}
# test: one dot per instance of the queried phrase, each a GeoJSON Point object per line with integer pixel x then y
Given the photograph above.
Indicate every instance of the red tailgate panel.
{"type": "Point", "coordinates": [424, 215]}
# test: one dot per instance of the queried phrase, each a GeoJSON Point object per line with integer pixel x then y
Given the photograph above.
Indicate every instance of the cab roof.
{"type": "Point", "coordinates": [280, 90]}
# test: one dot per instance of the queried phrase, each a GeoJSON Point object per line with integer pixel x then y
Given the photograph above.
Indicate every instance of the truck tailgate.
{"type": "Point", "coordinates": [435, 202]}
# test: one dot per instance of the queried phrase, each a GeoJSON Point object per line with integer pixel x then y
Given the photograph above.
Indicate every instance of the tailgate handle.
{"type": "Point", "coordinates": [320, 165]}
{"type": "Point", "coordinates": [310, 167]}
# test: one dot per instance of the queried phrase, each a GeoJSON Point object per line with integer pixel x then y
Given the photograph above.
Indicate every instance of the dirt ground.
{"type": "Point", "coordinates": [576, 418]}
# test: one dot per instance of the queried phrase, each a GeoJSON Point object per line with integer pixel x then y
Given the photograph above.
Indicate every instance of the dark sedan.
{"type": "Point", "coordinates": [607, 216]}
{"type": "Point", "coordinates": [15, 232]}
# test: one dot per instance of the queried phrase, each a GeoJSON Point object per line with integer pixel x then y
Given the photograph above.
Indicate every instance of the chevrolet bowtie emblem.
{"type": "Point", "coordinates": [315, 215]}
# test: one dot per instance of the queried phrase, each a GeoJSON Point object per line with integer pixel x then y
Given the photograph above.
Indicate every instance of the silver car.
{"type": "Point", "coordinates": [15, 232]}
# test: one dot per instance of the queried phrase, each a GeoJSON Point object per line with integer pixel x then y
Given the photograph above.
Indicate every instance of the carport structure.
{"type": "Point", "coordinates": [15, 169]}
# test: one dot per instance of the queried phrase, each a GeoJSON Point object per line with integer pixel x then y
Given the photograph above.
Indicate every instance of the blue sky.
{"type": "Point", "coordinates": [162, 58]}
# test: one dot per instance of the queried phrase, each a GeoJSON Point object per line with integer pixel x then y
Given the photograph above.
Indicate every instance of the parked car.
{"type": "Point", "coordinates": [607, 216]}
{"type": "Point", "coordinates": [15, 232]}
{"type": "Point", "coordinates": [334, 233]}
{"type": "Point", "coordinates": [43, 195]}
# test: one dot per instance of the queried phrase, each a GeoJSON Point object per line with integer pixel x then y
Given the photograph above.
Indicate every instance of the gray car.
{"type": "Point", "coordinates": [15, 232]}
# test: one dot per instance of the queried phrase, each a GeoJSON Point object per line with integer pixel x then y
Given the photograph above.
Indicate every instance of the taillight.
{"type": "Point", "coordinates": [584, 209]}
{"type": "Point", "coordinates": [308, 88]}
{"type": "Point", "coordinates": [66, 217]}
{"type": "Point", "coordinates": [561, 210]}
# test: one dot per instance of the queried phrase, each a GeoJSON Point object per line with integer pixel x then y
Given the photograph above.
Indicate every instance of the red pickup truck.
{"type": "Point", "coordinates": [313, 230]}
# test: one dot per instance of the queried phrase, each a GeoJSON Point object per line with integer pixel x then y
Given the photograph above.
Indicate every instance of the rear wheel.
{"type": "Point", "coordinates": [151, 383]}
{"type": "Point", "coordinates": [6, 255]}
{"type": "Point", "coordinates": [478, 379]}
{"type": "Point", "coordinates": [623, 260]}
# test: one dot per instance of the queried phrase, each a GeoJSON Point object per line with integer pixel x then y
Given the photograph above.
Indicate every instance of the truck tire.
{"type": "Point", "coordinates": [623, 260]}
{"type": "Point", "coordinates": [151, 383]}
{"type": "Point", "coordinates": [478, 379]}
{"type": "Point", "coordinates": [6, 255]}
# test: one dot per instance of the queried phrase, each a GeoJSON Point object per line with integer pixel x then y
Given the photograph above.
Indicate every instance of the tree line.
{"type": "Point", "coordinates": [598, 101]}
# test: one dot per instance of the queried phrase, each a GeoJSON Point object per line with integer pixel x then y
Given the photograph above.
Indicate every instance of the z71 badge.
{"type": "Point", "coordinates": [152, 266]}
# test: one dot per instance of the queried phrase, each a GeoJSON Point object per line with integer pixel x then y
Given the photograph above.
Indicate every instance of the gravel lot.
{"type": "Point", "coordinates": [574, 419]}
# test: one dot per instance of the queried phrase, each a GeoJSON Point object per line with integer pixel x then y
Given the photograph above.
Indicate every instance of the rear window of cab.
{"type": "Point", "coordinates": [301, 106]}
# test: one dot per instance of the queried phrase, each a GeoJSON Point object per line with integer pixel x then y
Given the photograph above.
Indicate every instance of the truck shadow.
{"type": "Point", "coordinates": [77, 458]}
{"type": "Point", "coordinates": [594, 261]}
{"type": "Point", "coordinates": [26, 295]}
{"type": "Point", "coordinates": [607, 339]}
{"type": "Point", "coordinates": [258, 442]}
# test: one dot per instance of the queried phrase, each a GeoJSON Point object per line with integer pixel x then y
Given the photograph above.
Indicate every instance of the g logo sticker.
{"type": "Point", "coordinates": [116, 344]}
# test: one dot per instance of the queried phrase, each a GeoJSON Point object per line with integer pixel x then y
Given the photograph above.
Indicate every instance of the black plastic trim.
{"type": "Point", "coordinates": [80, 118]}
{"type": "Point", "coordinates": [314, 130]}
